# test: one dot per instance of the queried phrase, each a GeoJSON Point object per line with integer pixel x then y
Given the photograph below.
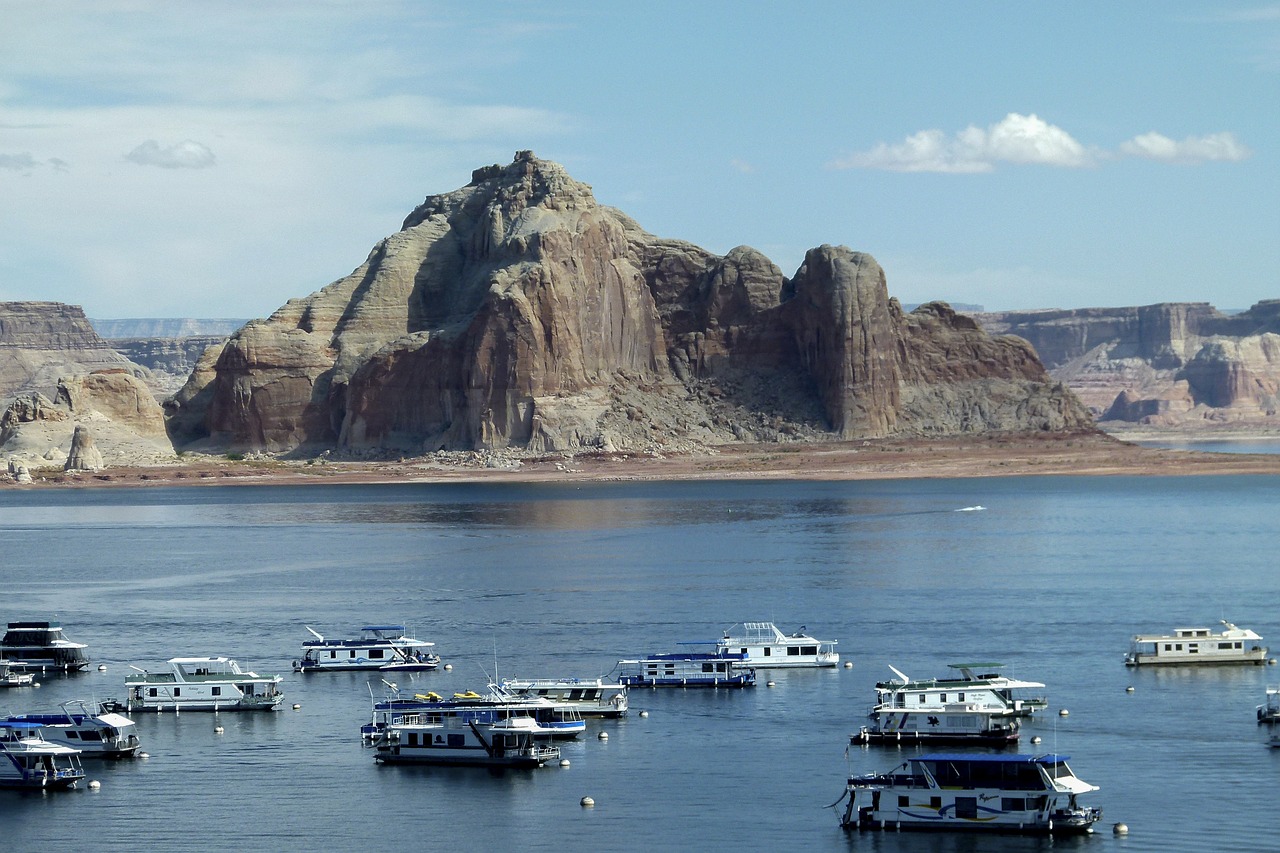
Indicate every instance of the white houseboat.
{"type": "Point", "coordinates": [379, 647]}
{"type": "Point", "coordinates": [1269, 710]}
{"type": "Point", "coordinates": [29, 761]}
{"type": "Point", "coordinates": [989, 793]}
{"type": "Point", "coordinates": [96, 733]}
{"type": "Point", "coordinates": [11, 678]}
{"type": "Point", "coordinates": [40, 646]}
{"type": "Point", "coordinates": [956, 722]}
{"type": "Point", "coordinates": [1197, 646]}
{"type": "Point", "coordinates": [692, 669]}
{"type": "Point", "coordinates": [592, 697]}
{"type": "Point", "coordinates": [201, 684]}
{"type": "Point", "coordinates": [547, 718]}
{"type": "Point", "coordinates": [978, 684]}
{"type": "Point", "coordinates": [763, 646]}
{"type": "Point", "coordinates": [449, 739]}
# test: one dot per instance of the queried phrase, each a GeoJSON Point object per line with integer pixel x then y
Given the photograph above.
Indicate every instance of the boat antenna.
{"type": "Point", "coordinates": [314, 633]}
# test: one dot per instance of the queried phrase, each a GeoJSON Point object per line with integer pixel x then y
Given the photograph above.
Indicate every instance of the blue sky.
{"type": "Point", "coordinates": [166, 159]}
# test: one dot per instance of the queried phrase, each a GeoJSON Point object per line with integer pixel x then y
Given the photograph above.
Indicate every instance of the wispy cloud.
{"type": "Point", "coordinates": [187, 154]}
{"type": "Point", "coordinates": [1029, 140]}
{"type": "Point", "coordinates": [1193, 149]}
{"type": "Point", "coordinates": [23, 162]}
{"type": "Point", "coordinates": [742, 166]}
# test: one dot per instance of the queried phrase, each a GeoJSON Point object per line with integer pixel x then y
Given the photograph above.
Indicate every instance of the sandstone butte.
{"type": "Point", "coordinates": [518, 313]}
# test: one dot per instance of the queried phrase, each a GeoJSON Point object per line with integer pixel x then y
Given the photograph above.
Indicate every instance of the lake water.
{"type": "Point", "coordinates": [1052, 578]}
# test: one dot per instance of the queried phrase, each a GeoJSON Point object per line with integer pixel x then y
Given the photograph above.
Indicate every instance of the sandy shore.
{"type": "Point", "coordinates": [1092, 454]}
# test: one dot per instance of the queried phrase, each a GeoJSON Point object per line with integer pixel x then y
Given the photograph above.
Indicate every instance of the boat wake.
{"type": "Point", "coordinates": [970, 509]}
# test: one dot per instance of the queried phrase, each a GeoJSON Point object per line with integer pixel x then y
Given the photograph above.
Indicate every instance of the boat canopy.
{"type": "Point", "coordinates": [399, 628]}
{"type": "Point", "coordinates": [1048, 758]}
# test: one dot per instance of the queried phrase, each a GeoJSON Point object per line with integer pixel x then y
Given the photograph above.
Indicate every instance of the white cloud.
{"type": "Point", "coordinates": [1015, 139]}
{"type": "Point", "coordinates": [187, 154]}
{"type": "Point", "coordinates": [1194, 149]}
{"type": "Point", "coordinates": [742, 166]}
{"type": "Point", "coordinates": [1029, 140]}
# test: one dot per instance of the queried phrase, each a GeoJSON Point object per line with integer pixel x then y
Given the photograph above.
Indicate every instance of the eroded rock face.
{"type": "Point", "coordinates": [41, 342]}
{"type": "Point", "coordinates": [518, 311]}
{"type": "Point", "coordinates": [1181, 365]}
{"type": "Point", "coordinates": [84, 455]}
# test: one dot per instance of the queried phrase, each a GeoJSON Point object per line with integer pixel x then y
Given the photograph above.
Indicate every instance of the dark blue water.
{"type": "Point", "coordinates": [1052, 579]}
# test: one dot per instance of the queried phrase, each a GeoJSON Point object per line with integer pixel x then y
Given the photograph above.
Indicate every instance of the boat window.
{"type": "Point", "coordinates": [332, 655]}
{"type": "Point", "coordinates": [1168, 647]}
{"type": "Point", "coordinates": [413, 738]}
{"type": "Point", "coordinates": [742, 651]}
{"type": "Point", "coordinates": [967, 808]}
{"type": "Point", "coordinates": [457, 740]}
{"type": "Point", "coordinates": [706, 667]}
{"type": "Point", "coordinates": [808, 650]}
{"type": "Point", "coordinates": [935, 802]}
{"type": "Point", "coordinates": [1224, 645]}
{"type": "Point", "coordinates": [768, 650]}
{"type": "Point", "coordinates": [722, 667]}
{"type": "Point", "coordinates": [923, 698]}
{"type": "Point", "coordinates": [1193, 648]}
{"type": "Point", "coordinates": [903, 802]}
{"type": "Point", "coordinates": [177, 691]}
{"type": "Point", "coordinates": [959, 697]}
{"type": "Point", "coordinates": [217, 691]}
{"type": "Point", "coordinates": [71, 734]}
{"type": "Point", "coordinates": [794, 650]}
{"type": "Point", "coordinates": [1178, 647]}
{"type": "Point", "coordinates": [575, 695]}
{"type": "Point", "coordinates": [351, 654]}
{"type": "Point", "coordinates": [942, 697]}
{"type": "Point", "coordinates": [1238, 645]}
{"type": "Point", "coordinates": [1013, 804]}
{"type": "Point", "coordinates": [375, 653]}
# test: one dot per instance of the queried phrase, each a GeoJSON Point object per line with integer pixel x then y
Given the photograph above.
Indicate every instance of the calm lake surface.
{"type": "Point", "coordinates": [1051, 578]}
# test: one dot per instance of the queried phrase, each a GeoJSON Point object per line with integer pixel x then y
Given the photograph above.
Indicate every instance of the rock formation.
{"type": "Point", "coordinates": [84, 455]}
{"type": "Point", "coordinates": [127, 423]}
{"type": "Point", "coordinates": [40, 342]}
{"type": "Point", "coordinates": [516, 311]}
{"type": "Point", "coordinates": [1178, 365]}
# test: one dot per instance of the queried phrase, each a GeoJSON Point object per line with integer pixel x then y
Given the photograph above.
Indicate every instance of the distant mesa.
{"type": "Point", "coordinates": [1172, 366]}
{"type": "Point", "coordinates": [518, 312]}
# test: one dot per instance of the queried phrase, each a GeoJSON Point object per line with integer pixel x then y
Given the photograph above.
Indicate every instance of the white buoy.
{"type": "Point", "coordinates": [1129, 689]}
{"type": "Point", "coordinates": [35, 684]}
{"type": "Point", "coordinates": [564, 762]}
{"type": "Point", "coordinates": [217, 730]}
{"type": "Point", "coordinates": [587, 802]}
{"type": "Point", "coordinates": [296, 706]}
{"type": "Point", "coordinates": [95, 785]}
{"type": "Point", "coordinates": [1064, 712]}
{"type": "Point", "coordinates": [1120, 829]}
{"type": "Point", "coordinates": [144, 755]}
{"type": "Point", "coordinates": [848, 664]}
{"type": "Point", "coordinates": [1272, 661]}
{"type": "Point", "coordinates": [644, 713]}
{"type": "Point", "coordinates": [1036, 739]}
{"type": "Point", "coordinates": [448, 667]}
{"type": "Point", "coordinates": [603, 736]}
{"type": "Point", "coordinates": [768, 684]}
{"type": "Point", "coordinates": [102, 667]}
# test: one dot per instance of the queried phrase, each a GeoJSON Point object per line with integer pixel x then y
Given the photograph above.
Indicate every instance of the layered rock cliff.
{"type": "Point", "coordinates": [41, 342]}
{"type": "Point", "coordinates": [516, 311]}
{"type": "Point", "coordinates": [1176, 365]}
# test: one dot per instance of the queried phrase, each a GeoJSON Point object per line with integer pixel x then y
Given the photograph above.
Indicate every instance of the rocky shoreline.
{"type": "Point", "coordinates": [1092, 454]}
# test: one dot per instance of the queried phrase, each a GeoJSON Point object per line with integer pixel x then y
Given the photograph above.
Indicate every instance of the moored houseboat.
{"type": "Point", "coordinates": [9, 677]}
{"type": "Point", "coordinates": [95, 732]}
{"type": "Point", "coordinates": [28, 761]}
{"type": "Point", "coordinates": [379, 647]}
{"type": "Point", "coordinates": [975, 792]}
{"type": "Point", "coordinates": [1269, 710]}
{"type": "Point", "coordinates": [200, 684]}
{"type": "Point", "coordinates": [978, 684]}
{"type": "Point", "coordinates": [40, 646]}
{"type": "Point", "coordinates": [1197, 646]}
{"type": "Point", "coordinates": [957, 722]}
{"type": "Point", "coordinates": [549, 719]}
{"type": "Point", "coordinates": [592, 697]}
{"type": "Point", "coordinates": [763, 646]}
{"type": "Point", "coordinates": [687, 669]}
{"type": "Point", "coordinates": [514, 742]}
